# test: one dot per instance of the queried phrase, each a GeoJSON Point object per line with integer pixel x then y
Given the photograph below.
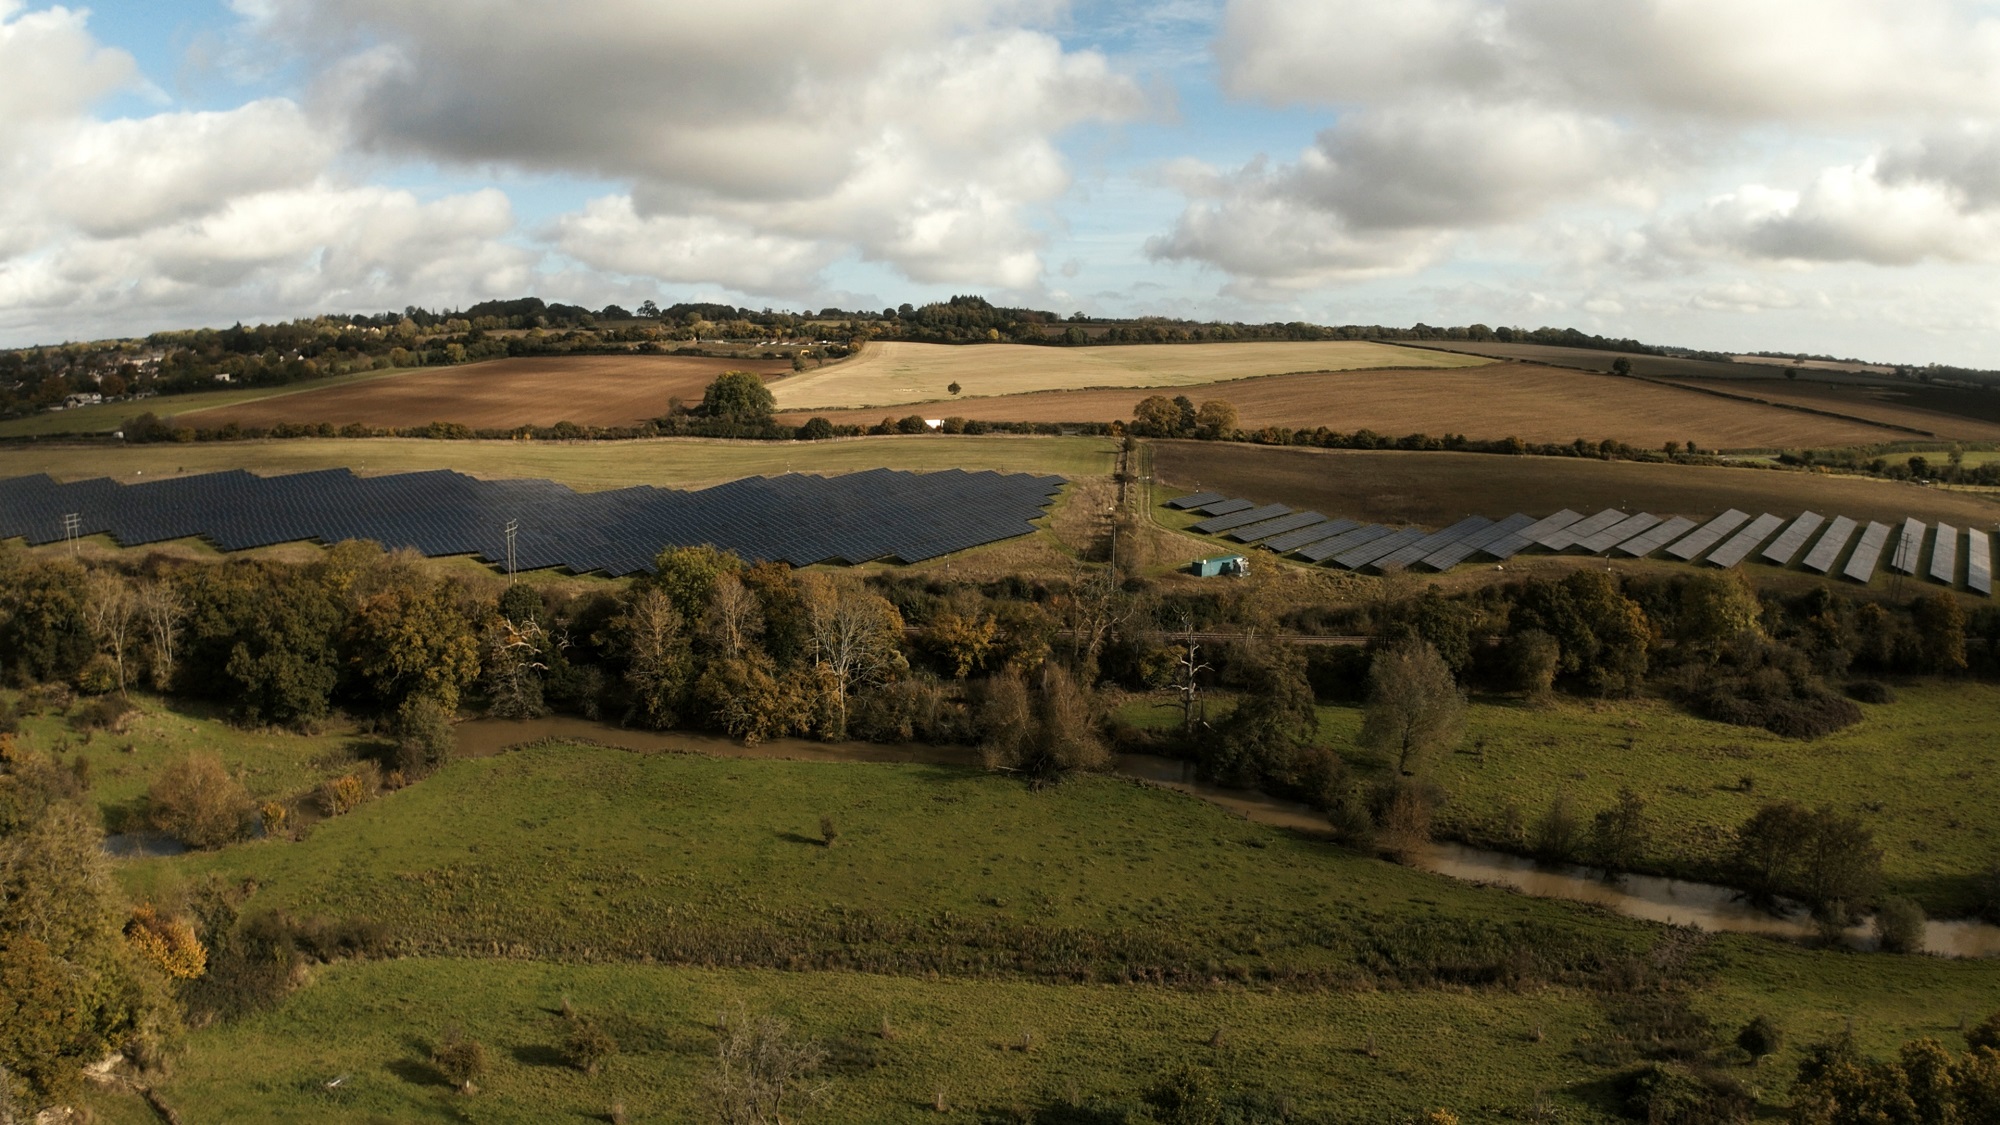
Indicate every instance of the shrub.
{"type": "Point", "coordinates": [458, 1059]}
{"type": "Point", "coordinates": [424, 738]}
{"type": "Point", "coordinates": [1187, 1095]}
{"type": "Point", "coordinates": [828, 830]}
{"type": "Point", "coordinates": [1559, 834]}
{"type": "Point", "coordinates": [1899, 926]}
{"type": "Point", "coordinates": [343, 794]}
{"type": "Point", "coordinates": [1665, 1093]}
{"type": "Point", "coordinates": [587, 1046]}
{"type": "Point", "coordinates": [107, 712]}
{"type": "Point", "coordinates": [1760, 1038]}
{"type": "Point", "coordinates": [815, 429]}
{"type": "Point", "coordinates": [169, 944]}
{"type": "Point", "coordinates": [1870, 691]}
{"type": "Point", "coordinates": [1985, 1036]}
{"type": "Point", "coordinates": [195, 801]}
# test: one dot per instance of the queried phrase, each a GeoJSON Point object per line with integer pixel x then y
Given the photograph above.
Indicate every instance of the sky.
{"type": "Point", "coordinates": [1814, 176]}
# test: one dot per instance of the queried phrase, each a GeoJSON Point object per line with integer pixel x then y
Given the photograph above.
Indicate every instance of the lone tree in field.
{"type": "Point", "coordinates": [1414, 706]}
{"type": "Point", "coordinates": [738, 396]}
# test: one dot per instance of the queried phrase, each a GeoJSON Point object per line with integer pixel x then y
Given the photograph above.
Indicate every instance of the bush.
{"type": "Point", "coordinates": [107, 712]}
{"type": "Point", "coordinates": [1559, 834]}
{"type": "Point", "coordinates": [458, 1059]}
{"type": "Point", "coordinates": [1986, 1036]}
{"type": "Point", "coordinates": [1870, 691]}
{"type": "Point", "coordinates": [1760, 1038]}
{"type": "Point", "coordinates": [815, 429]}
{"type": "Point", "coordinates": [1665, 1093]}
{"type": "Point", "coordinates": [1899, 926]}
{"type": "Point", "coordinates": [341, 795]}
{"type": "Point", "coordinates": [196, 802]}
{"type": "Point", "coordinates": [587, 1046]}
{"type": "Point", "coordinates": [424, 738]}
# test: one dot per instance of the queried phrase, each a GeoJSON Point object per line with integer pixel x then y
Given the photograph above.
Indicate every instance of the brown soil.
{"type": "Point", "coordinates": [1437, 489]}
{"type": "Point", "coordinates": [605, 390]}
{"type": "Point", "coordinates": [1948, 412]}
{"type": "Point", "coordinates": [1534, 403]}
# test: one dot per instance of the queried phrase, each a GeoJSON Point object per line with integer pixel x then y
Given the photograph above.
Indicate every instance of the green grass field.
{"type": "Point", "coordinates": [561, 870]}
{"type": "Point", "coordinates": [113, 415]}
{"type": "Point", "coordinates": [1920, 772]}
{"type": "Point", "coordinates": [677, 462]}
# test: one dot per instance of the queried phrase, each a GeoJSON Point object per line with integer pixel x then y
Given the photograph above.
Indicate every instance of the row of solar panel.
{"type": "Point", "coordinates": [1725, 540]}
{"type": "Point", "coordinates": [796, 518]}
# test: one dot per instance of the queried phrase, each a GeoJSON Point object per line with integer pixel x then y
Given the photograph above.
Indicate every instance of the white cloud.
{"type": "Point", "coordinates": [608, 234]}
{"type": "Point", "coordinates": [920, 136]}
{"type": "Point", "coordinates": [51, 69]}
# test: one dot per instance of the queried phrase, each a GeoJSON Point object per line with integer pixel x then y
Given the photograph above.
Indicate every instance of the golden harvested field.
{"type": "Point", "coordinates": [594, 390]}
{"type": "Point", "coordinates": [1437, 489]}
{"type": "Point", "coordinates": [587, 466]}
{"type": "Point", "coordinates": [900, 374]}
{"type": "Point", "coordinates": [1545, 404]}
{"type": "Point", "coordinates": [1950, 413]}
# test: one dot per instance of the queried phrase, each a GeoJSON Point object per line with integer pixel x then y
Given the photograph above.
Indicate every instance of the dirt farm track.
{"type": "Point", "coordinates": [607, 390]}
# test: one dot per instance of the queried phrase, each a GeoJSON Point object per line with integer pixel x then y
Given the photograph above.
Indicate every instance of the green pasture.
{"type": "Point", "coordinates": [1921, 772]}
{"type": "Point", "coordinates": [580, 872]}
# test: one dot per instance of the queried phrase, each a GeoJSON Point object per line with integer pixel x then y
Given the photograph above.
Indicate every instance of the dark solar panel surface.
{"type": "Point", "coordinates": [1707, 535]}
{"type": "Point", "coordinates": [1861, 565]}
{"type": "Point", "coordinates": [1327, 548]}
{"type": "Point", "coordinates": [1357, 557]}
{"type": "Point", "coordinates": [1279, 526]}
{"type": "Point", "coordinates": [1430, 544]}
{"type": "Point", "coordinates": [1944, 554]}
{"type": "Point", "coordinates": [1243, 518]}
{"type": "Point", "coordinates": [1569, 535]}
{"type": "Point", "coordinates": [1785, 546]}
{"type": "Point", "coordinates": [1451, 554]}
{"type": "Point", "coordinates": [1738, 546]}
{"type": "Point", "coordinates": [1631, 527]}
{"type": "Point", "coordinates": [1909, 547]}
{"type": "Point", "coordinates": [1507, 546]}
{"type": "Point", "coordinates": [1293, 540]}
{"type": "Point", "coordinates": [1195, 500]}
{"type": "Point", "coordinates": [797, 518]}
{"type": "Point", "coordinates": [1826, 552]}
{"type": "Point", "coordinates": [1639, 546]}
{"type": "Point", "coordinates": [1224, 507]}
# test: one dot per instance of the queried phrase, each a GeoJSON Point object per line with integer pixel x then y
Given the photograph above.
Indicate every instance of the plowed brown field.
{"type": "Point", "coordinates": [1545, 404]}
{"type": "Point", "coordinates": [597, 390]}
{"type": "Point", "coordinates": [1913, 405]}
{"type": "Point", "coordinates": [1437, 489]}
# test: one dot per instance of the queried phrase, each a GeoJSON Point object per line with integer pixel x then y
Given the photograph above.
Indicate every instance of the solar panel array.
{"type": "Point", "coordinates": [1826, 552]}
{"type": "Point", "coordinates": [1738, 546]}
{"type": "Point", "coordinates": [1861, 564]}
{"type": "Point", "coordinates": [795, 518]}
{"type": "Point", "coordinates": [1785, 546]}
{"type": "Point", "coordinates": [1724, 541]}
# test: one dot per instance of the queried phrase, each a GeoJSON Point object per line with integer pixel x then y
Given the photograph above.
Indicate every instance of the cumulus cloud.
{"type": "Point", "coordinates": [111, 224]}
{"type": "Point", "coordinates": [920, 136]}
{"type": "Point", "coordinates": [1456, 116]}
{"type": "Point", "coordinates": [609, 234]}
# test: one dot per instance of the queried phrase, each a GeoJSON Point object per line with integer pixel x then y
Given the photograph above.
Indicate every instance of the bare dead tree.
{"type": "Point", "coordinates": [1191, 667]}
{"type": "Point", "coordinates": [109, 609]}
{"type": "Point", "coordinates": [163, 610]}
{"type": "Point", "coordinates": [856, 642]}
{"type": "Point", "coordinates": [761, 1067]}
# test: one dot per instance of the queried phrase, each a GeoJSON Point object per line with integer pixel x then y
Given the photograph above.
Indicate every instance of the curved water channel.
{"type": "Point", "coordinates": [1680, 902]}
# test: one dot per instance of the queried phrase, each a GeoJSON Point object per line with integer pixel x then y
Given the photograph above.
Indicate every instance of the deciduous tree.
{"type": "Point", "coordinates": [1415, 709]}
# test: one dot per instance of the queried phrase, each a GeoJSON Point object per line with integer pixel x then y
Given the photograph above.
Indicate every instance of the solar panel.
{"type": "Point", "coordinates": [1978, 562]}
{"type": "Point", "coordinates": [1861, 564]}
{"type": "Point", "coordinates": [1628, 528]}
{"type": "Point", "coordinates": [1639, 546]}
{"type": "Point", "coordinates": [1785, 546]}
{"type": "Point", "coordinates": [1293, 540]}
{"type": "Point", "coordinates": [1415, 552]}
{"type": "Point", "coordinates": [1826, 552]}
{"type": "Point", "coordinates": [800, 519]}
{"type": "Point", "coordinates": [1278, 526]}
{"type": "Point", "coordinates": [1506, 547]}
{"type": "Point", "coordinates": [1567, 536]}
{"type": "Point", "coordinates": [1451, 554]}
{"type": "Point", "coordinates": [1224, 507]}
{"type": "Point", "coordinates": [1909, 547]}
{"type": "Point", "coordinates": [1707, 535]}
{"type": "Point", "coordinates": [1243, 518]}
{"type": "Point", "coordinates": [1739, 545]}
{"type": "Point", "coordinates": [1368, 552]}
{"type": "Point", "coordinates": [1944, 554]}
{"type": "Point", "coordinates": [1328, 548]}
{"type": "Point", "coordinates": [1195, 500]}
